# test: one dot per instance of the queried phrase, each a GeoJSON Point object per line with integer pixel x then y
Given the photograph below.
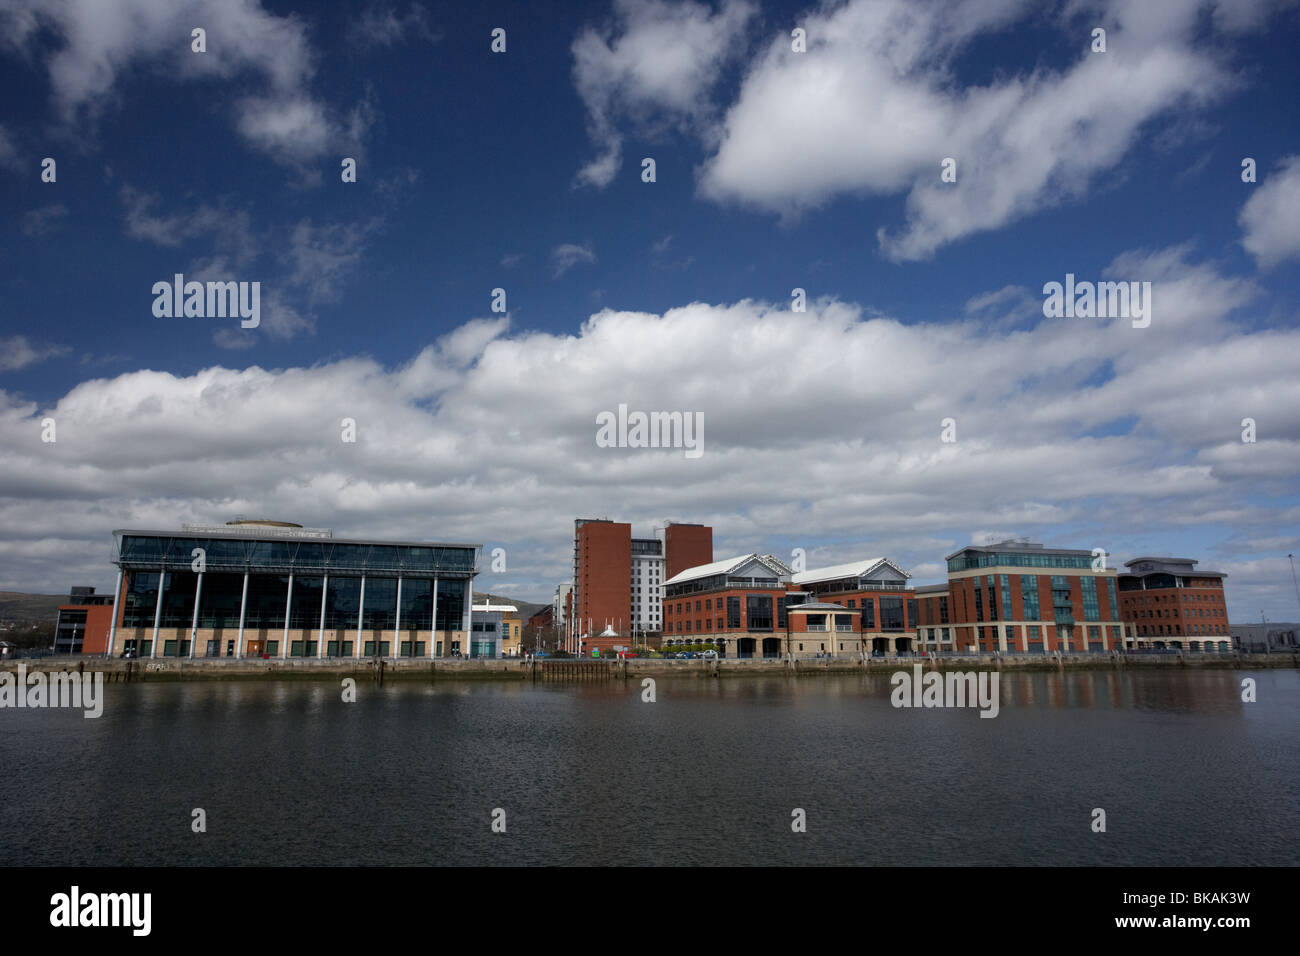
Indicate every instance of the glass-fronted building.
{"type": "Point", "coordinates": [1021, 597]}
{"type": "Point", "coordinates": [277, 590]}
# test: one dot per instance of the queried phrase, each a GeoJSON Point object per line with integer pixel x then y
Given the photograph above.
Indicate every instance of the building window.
{"type": "Point", "coordinates": [868, 614]}
{"type": "Point", "coordinates": [1029, 596]}
{"type": "Point", "coordinates": [891, 614]}
{"type": "Point", "coordinates": [759, 611]}
{"type": "Point", "coordinates": [733, 612]}
{"type": "Point", "coordinates": [1091, 607]}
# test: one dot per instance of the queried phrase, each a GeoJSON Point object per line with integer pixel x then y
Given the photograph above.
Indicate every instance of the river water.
{"type": "Point", "coordinates": [709, 773]}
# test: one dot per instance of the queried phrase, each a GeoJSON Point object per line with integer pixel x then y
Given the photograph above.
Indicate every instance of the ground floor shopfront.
{"type": "Point", "coordinates": [770, 645]}
{"type": "Point", "coordinates": [273, 643]}
{"type": "Point", "coordinates": [269, 615]}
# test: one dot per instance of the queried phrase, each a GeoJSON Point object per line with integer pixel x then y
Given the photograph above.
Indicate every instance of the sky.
{"type": "Point", "coordinates": [921, 171]}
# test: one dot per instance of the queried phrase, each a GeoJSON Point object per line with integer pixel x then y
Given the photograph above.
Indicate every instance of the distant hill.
{"type": "Point", "coordinates": [526, 608]}
{"type": "Point", "coordinates": [19, 608]}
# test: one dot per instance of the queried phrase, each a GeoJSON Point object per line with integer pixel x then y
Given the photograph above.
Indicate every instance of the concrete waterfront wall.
{"type": "Point", "coordinates": [174, 669]}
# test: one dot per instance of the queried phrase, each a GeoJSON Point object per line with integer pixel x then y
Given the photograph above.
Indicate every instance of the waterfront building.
{"type": "Point", "coordinates": [1166, 602]}
{"type": "Point", "coordinates": [934, 625]}
{"type": "Point", "coordinates": [561, 606]}
{"type": "Point", "coordinates": [743, 606]}
{"type": "Point", "coordinates": [82, 624]}
{"type": "Point", "coordinates": [512, 640]}
{"type": "Point", "coordinates": [876, 590]}
{"type": "Point", "coordinates": [736, 605]}
{"type": "Point", "coordinates": [618, 579]}
{"type": "Point", "coordinates": [1018, 596]}
{"type": "Point", "coordinates": [1266, 637]}
{"type": "Point", "coordinates": [491, 635]}
{"type": "Point", "coordinates": [279, 590]}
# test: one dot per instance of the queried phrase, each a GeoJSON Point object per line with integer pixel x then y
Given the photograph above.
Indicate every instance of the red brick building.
{"type": "Point", "coordinates": [83, 623]}
{"type": "Point", "coordinates": [934, 624]}
{"type": "Point", "coordinates": [686, 546]}
{"type": "Point", "coordinates": [1166, 602]}
{"type": "Point", "coordinates": [618, 580]}
{"type": "Point", "coordinates": [602, 559]}
{"type": "Point", "coordinates": [876, 589]}
{"type": "Point", "coordinates": [1018, 597]}
{"type": "Point", "coordinates": [737, 605]}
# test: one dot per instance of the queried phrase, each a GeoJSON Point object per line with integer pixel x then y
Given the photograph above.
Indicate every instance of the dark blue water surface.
{"type": "Point", "coordinates": [709, 773]}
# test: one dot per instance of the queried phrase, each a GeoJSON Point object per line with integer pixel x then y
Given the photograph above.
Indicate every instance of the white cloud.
{"type": "Point", "coordinates": [18, 352]}
{"type": "Point", "coordinates": [100, 41]}
{"type": "Point", "coordinates": [824, 425]}
{"type": "Point", "coordinates": [873, 107]}
{"type": "Point", "coordinates": [44, 220]}
{"type": "Point", "coordinates": [567, 255]}
{"type": "Point", "coordinates": [1270, 218]}
{"type": "Point", "coordinates": [384, 27]}
{"type": "Point", "coordinates": [660, 56]}
{"type": "Point", "coordinates": [9, 158]}
{"type": "Point", "coordinates": [322, 257]}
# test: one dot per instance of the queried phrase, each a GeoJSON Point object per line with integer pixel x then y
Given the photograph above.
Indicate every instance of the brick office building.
{"type": "Point", "coordinates": [754, 606]}
{"type": "Point", "coordinates": [618, 579]}
{"type": "Point", "coordinates": [877, 590]}
{"type": "Point", "coordinates": [1166, 602]}
{"type": "Point", "coordinates": [737, 605]}
{"type": "Point", "coordinates": [83, 623]}
{"type": "Point", "coordinates": [1017, 596]}
{"type": "Point", "coordinates": [934, 624]}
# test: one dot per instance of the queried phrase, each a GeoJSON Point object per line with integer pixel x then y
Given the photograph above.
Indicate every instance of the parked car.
{"type": "Point", "coordinates": [709, 655]}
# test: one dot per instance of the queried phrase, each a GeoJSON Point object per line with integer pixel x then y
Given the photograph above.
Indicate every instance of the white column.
{"type": "Point", "coordinates": [288, 605]}
{"type": "Point", "coordinates": [157, 614]}
{"type": "Point", "coordinates": [194, 621]}
{"type": "Point", "coordinates": [243, 603]}
{"type": "Point", "coordinates": [361, 610]}
{"type": "Point", "coordinates": [397, 628]}
{"type": "Point", "coordinates": [112, 626]}
{"type": "Point", "coordinates": [433, 636]}
{"type": "Point", "coordinates": [320, 632]}
{"type": "Point", "coordinates": [469, 617]}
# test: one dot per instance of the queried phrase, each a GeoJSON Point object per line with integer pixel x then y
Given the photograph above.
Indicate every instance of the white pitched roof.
{"type": "Point", "coordinates": [854, 569]}
{"type": "Point", "coordinates": [725, 566]}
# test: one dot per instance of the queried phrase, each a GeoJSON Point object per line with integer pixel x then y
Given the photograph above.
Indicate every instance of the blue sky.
{"type": "Point", "coordinates": [774, 170]}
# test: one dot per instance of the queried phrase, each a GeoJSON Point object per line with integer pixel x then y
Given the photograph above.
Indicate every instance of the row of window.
{"type": "Point", "coordinates": [268, 596]}
{"type": "Point", "coordinates": [967, 561]}
{"type": "Point", "coordinates": [178, 553]}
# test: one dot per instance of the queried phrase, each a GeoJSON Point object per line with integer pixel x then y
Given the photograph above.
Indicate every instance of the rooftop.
{"type": "Point", "coordinates": [854, 569]}
{"type": "Point", "coordinates": [726, 566]}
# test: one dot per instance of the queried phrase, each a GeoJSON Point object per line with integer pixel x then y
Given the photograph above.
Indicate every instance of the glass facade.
{"type": "Point", "coordinates": [1006, 598]}
{"type": "Point", "coordinates": [733, 612]}
{"type": "Point", "coordinates": [1029, 596]}
{"type": "Point", "coordinates": [969, 560]}
{"type": "Point", "coordinates": [891, 614]}
{"type": "Point", "coordinates": [1091, 608]}
{"type": "Point", "coordinates": [758, 610]}
{"type": "Point", "coordinates": [175, 553]}
{"type": "Point", "coordinates": [868, 614]}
